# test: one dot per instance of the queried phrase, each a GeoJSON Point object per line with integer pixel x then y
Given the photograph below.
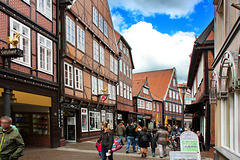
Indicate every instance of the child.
{"type": "Point", "coordinates": [99, 149]}
{"type": "Point", "coordinates": [153, 144]}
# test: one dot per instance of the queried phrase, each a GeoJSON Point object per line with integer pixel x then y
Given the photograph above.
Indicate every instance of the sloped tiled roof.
{"type": "Point", "coordinates": [137, 85]}
{"type": "Point", "coordinates": [158, 81]}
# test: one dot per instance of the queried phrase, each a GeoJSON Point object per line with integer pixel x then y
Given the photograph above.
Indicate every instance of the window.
{"type": "Point", "coordinates": [130, 72]}
{"type": "Point", "coordinates": [120, 45]}
{"type": "Point", "coordinates": [127, 52]}
{"type": "Point", "coordinates": [170, 107]}
{"type": "Point", "coordinates": [127, 71]}
{"type": "Point", "coordinates": [118, 89]}
{"type": "Point", "coordinates": [81, 39]}
{"type": "Point", "coordinates": [102, 56]}
{"type": "Point", "coordinates": [109, 119]}
{"type": "Point", "coordinates": [94, 85]}
{"type": "Point", "coordinates": [154, 106]}
{"type": "Point", "coordinates": [166, 106]}
{"type": "Point", "coordinates": [177, 108]}
{"type": "Point", "coordinates": [100, 86]}
{"type": "Point", "coordinates": [116, 66]}
{"type": "Point", "coordinates": [125, 90]}
{"type": "Point", "coordinates": [200, 72]}
{"type": "Point", "coordinates": [130, 93]}
{"type": "Point", "coordinates": [24, 41]}
{"type": "Point", "coordinates": [84, 120]}
{"type": "Point", "coordinates": [157, 107]}
{"type": "Point", "coordinates": [113, 92]}
{"type": "Point", "coordinates": [110, 91]}
{"type": "Point", "coordinates": [173, 94]}
{"type": "Point", "coordinates": [148, 105]}
{"type": "Point", "coordinates": [70, 31]}
{"type": "Point", "coordinates": [95, 51]}
{"type": "Point", "coordinates": [100, 23]}
{"type": "Point", "coordinates": [78, 79]}
{"type": "Point", "coordinates": [180, 109]}
{"type": "Point", "coordinates": [95, 16]}
{"type": "Point", "coordinates": [120, 65]}
{"type": "Point", "coordinates": [68, 75]}
{"type": "Point", "coordinates": [124, 69]}
{"type": "Point", "coordinates": [170, 94]}
{"type": "Point", "coordinates": [105, 29]}
{"type": "Point", "coordinates": [177, 96]}
{"type": "Point", "coordinates": [121, 89]}
{"type": "Point", "coordinates": [174, 82]}
{"type": "Point", "coordinates": [94, 120]}
{"type": "Point", "coordinates": [45, 7]}
{"type": "Point", "coordinates": [142, 104]}
{"type": "Point", "coordinates": [45, 55]}
{"type": "Point", "coordinates": [139, 103]}
{"type": "Point", "coordinates": [111, 63]}
{"type": "Point", "coordinates": [173, 107]}
{"type": "Point", "coordinates": [103, 116]}
{"type": "Point", "coordinates": [145, 91]}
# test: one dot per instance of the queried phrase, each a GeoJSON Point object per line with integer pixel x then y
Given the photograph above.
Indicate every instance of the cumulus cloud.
{"type": "Point", "coordinates": [153, 50]}
{"type": "Point", "coordinates": [119, 22]}
{"type": "Point", "coordinates": [173, 8]}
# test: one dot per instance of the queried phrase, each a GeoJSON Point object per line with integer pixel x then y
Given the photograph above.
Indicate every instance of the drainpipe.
{"type": "Point", "coordinates": [7, 105]}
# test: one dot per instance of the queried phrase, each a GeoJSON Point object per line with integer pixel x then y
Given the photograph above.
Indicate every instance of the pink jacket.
{"type": "Point", "coordinates": [99, 147]}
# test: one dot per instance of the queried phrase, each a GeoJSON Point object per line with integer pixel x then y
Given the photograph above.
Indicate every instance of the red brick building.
{"type": "Point", "coordinates": [29, 84]}
{"type": "Point", "coordinates": [163, 87]}
{"type": "Point", "coordinates": [200, 71]}
{"type": "Point", "coordinates": [89, 65]}
{"type": "Point", "coordinates": [125, 86]}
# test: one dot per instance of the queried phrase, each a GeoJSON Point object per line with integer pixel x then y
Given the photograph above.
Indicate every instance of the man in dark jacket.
{"type": "Point", "coordinates": [11, 145]}
{"type": "Point", "coordinates": [120, 132]}
{"type": "Point", "coordinates": [131, 134]}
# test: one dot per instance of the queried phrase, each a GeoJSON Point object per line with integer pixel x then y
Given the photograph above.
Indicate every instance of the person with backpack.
{"type": "Point", "coordinates": [131, 134]}
{"type": "Point", "coordinates": [143, 140]}
{"type": "Point", "coordinates": [107, 139]}
{"type": "Point", "coordinates": [161, 137]}
{"type": "Point", "coordinates": [138, 129]}
{"type": "Point", "coordinates": [120, 132]}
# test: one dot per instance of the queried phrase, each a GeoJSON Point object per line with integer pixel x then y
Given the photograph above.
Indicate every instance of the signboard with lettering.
{"type": "Point", "coordinates": [11, 53]}
{"type": "Point", "coordinates": [189, 142]}
{"type": "Point", "coordinates": [150, 126]}
{"type": "Point", "coordinates": [176, 155]}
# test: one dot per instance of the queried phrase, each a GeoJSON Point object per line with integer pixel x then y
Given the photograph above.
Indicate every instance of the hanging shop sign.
{"type": "Point", "coordinates": [11, 53]}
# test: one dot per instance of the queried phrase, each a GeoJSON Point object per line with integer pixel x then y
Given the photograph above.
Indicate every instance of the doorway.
{"type": "Point", "coordinates": [70, 126]}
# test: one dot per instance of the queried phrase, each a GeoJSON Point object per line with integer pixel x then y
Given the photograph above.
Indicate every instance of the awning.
{"type": "Point", "coordinates": [193, 108]}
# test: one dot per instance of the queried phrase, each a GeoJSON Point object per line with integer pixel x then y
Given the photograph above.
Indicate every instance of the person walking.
{"type": "Point", "coordinates": [120, 132]}
{"type": "Point", "coordinates": [169, 129]}
{"type": "Point", "coordinates": [131, 134]}
{"type": "Point", "coordinates": [153, 144]}
{"type": "Point", "coordinates": [161, 137]}
{"type": "Point", "coordinates": [107, 139]}
{"type": "Point", "coordinates": [12, 144]}
{"type": "Point", "coordinates": [144, 138]}
{"type": "Point", "coordinates": [137, 130]}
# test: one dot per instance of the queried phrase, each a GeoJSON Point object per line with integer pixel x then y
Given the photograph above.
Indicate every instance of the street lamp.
{"type": "Point", "coordinates": [183, 88]}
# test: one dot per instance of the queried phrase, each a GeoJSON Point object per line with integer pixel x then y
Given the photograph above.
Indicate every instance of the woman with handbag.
{"type": "Point", "coordinates": [162, 141]}
{"type": "Point", "coordinates": [107, 139]}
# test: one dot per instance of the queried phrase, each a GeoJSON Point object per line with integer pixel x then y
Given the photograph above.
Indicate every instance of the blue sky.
{"type": "Point", "coordinates": [164, 26]}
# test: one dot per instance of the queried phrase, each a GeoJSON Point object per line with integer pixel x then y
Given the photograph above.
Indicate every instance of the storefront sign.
{"type": "Point", "coordinates": [150, 126]}
{"type": "Point", "coordinates": [11, 53]}
{"type": "Point", "coordinates": [189, 142]}
{"type": "Point", "coordinates": [176, 155]}
{"type": "Point", "coordinates": [71, 106]}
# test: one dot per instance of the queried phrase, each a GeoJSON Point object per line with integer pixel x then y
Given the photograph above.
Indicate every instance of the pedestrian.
{"type": "Point", "coordinates": [138, 129]}
{"type": "Point", "coordinates": [153, 144]}
{"type": "Point", "coordinates": [126, 133]}
{"type": "Point", "coordinates": [201, 140]}
{"type": "Point", "coordinates": [144, 138]}
{"type": "Point", "coordinates": [99, 149]}
{"type": "Point", "coordinates": [169, 129]}
{"type": "Point", "coordinates": [131, 134]}
{"type": "Point", "coordinates": [161, 137]}
{"type": "Point", "coordinates": [12, 145]}
{"type": "Point", "coordinates": [174, 130]}
{"type": "Point", "coordinates": [120, 132]}
{"type": "Point", "coordinates": [107, 139]}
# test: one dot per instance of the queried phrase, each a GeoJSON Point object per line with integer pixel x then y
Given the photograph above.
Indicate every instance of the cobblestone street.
{"type": "Point", "coordinates": [84, 150]}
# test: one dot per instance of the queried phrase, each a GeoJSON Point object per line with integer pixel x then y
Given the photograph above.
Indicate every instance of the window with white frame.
{"type": "Point", "coordinates": [105, 29]}
{"type": "Point", "coordinates": [95, 51]}
{"type": "Point", "coordinates": [124, 69]}
{"type": "Point", "coordinates": [127, 71]}
{"type": "Point", "coordinates": [100, 86]}
{"type": "Point", "coordinates": [173, 94]}
{"type": "Point", "coordinates": [84, 119]}
{"type": "Point", "coordinates": [177, 96]}
{"type": "Point", "coordinates": [139, 103]}
{"type": "Point", "coordinates": [103, 115]}
{"type": "Point", "coordinates": [24, 41]}
{"type": "Point", "coordinates": [111, 63]}
{"type": "Point", "coordinates": [81, 39]}
{"type": "Point", "coordinates": [147, 107]}
{"type": "Point", "coordinates": [45, 7]}
{"type": "Point", "coordinates": [70, 31]}
{"type": "Point", "coordinates": [121, 89]}
{"type": "Point", "coordinates": [102, 56]}
{"type": "Point", "coordinates": [113, 92]}
{"type": "Point", "coordinates": [45, 54]}
{"type": "Point", "coordinates": [120, 65]}
{"type": "Point", "coordinates": [166, 106]}
{"type": "Point", "coordinates": [170, 107]}
{"type": "Point", "coordinates": [127, 52]}
{"type": "Point", "coordinates": [180, 109]}
{"type": "Point", "coordinates": [95, 16]}
{"type": "Point", "coordinates": [109, 119]}
{"type": "Point", "coordinates": [78, 79]}
{"type": "Point", "coordinates": [170, 93]}
{"type": "Point", "coordinates": [157, 107]}
{"type": "Point", "coordinates": [145, 91]}
{"type": "Point", "coordinates": [174, 82]}
{"type": "Point", "coordinates": [173, 107]}
{"type": "Point", "coordinates": [110, 91]}
{"type": "Point", "coordinates": [150, 105]}
{"type": "Point", "coordinates": [154, 106]}
{"type": "Point", "coordinates": [177, 108]}
{"type": "Point", "coordinates": [120, 45]}
{"type": "Point", "coordinates": [142, 104]}
{"type": "Point", "coordinates": [118, 89]}
{"type": "Point", "coordinates": [200, 72]}
{"type": "Point", "coordinates": [130, 93]}
{"type": "Point", "coordinates": [100, 23]}
{"type": "Point", "coordinates": [125, 90]}
{"type": "Point", "coordinates": [116, 66]}
{"type": "Point", "coordinates": [68, 69]}
{"type": "Point", "coordinates": [94, 86]}
{"type": "Point", "coordinates": [130, 72]}
{"type": "Point", "coordinates": [94, 121]}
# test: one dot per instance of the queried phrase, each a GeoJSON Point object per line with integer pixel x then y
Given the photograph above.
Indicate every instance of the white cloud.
{"type": "Point", "coordinates": [118, 22]}
{"type": "Point", "coordinates": [174, 8]}
{"type": "Point", "coordinates": [153, 50]}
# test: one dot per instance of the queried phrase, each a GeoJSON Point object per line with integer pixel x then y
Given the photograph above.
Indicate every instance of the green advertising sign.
{"type": "Point", "coordinates": [190, 146]}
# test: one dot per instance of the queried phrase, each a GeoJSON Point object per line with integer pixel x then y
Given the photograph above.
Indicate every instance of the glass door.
{"type": "Point", "coordinates": [71, 126]}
